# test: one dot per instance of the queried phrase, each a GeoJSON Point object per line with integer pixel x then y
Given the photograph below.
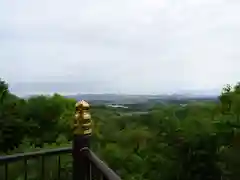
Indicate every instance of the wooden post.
{"type": "Point", "coordinates": [82, 131]}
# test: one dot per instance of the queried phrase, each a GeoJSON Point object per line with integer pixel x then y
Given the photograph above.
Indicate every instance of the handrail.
{"type": "Point", "coordinates": [94, 161]}
{"type": "Point", "coordinates": [5, 160]}
{"type": "Point", "coordinates": [106, 171]}
{"type": "Point", "coordinates": [30, 155]}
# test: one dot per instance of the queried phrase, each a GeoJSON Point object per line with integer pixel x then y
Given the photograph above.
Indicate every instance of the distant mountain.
{"type": "Point", "coordinates": [110, 98]}
{"type": "Point", "coordinates": [69, 90]}
{"type": "Point", "coordinates": [136, 99]}
{"type": "Point", "coordinates": [86, 87]}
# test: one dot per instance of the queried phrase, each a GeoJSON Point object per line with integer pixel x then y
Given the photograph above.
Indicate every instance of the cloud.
{"type": "Point", "coordinates": [130, 46]}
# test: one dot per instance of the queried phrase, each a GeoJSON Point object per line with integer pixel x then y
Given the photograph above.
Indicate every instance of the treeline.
{"type": "Point", "coordinates": [39, 119]}
{"type": "Point", "coordinates": [195, 142]}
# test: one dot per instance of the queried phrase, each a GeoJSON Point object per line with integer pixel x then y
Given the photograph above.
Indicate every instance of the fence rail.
{"type": "Point", "coordinates": [97, 170]}
{"type": "Point", "coordinates": [6, 160]}
{"type": "Point", "coordinates": [98, 166]}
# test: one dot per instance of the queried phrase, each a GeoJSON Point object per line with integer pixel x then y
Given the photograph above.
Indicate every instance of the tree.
{"type": "Point", "coordinates": [11, 125]}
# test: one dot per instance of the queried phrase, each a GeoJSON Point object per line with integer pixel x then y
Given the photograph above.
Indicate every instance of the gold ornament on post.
{"type": "Point", "coordinates": [82, 123]}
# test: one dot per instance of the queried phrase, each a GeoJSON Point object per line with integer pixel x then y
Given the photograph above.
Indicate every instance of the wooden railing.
{"type": "Point", "coordinates": [25, 157]}
{"type": "Point", "coordinates": [94, 168]}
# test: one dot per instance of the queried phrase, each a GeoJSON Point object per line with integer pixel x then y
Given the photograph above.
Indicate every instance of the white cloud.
{"type": "Point", "coordinates": [146, 46]}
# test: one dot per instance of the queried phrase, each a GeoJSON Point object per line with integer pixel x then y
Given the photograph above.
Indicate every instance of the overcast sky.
{"type": "Point", "coordinates": [121, 46]}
